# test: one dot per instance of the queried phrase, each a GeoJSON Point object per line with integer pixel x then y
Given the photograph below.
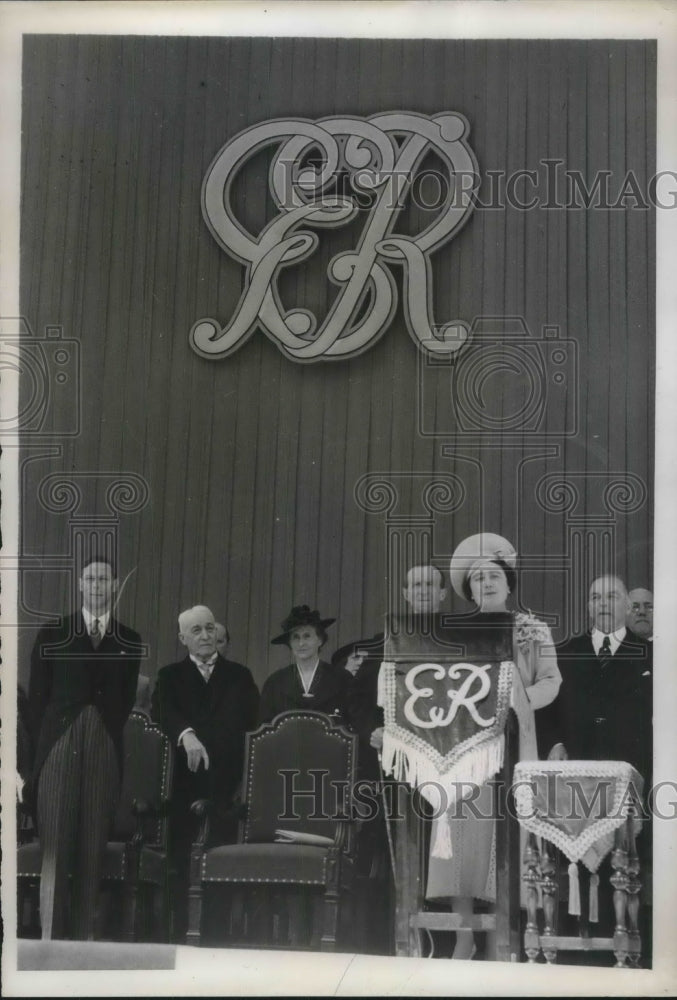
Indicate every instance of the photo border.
{"type": "Point", "coordinates": [229, 972]}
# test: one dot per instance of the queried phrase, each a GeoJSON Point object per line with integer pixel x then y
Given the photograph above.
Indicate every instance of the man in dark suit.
{"type": "Point", "coordinates": [363, 660]}
{"type": "Point", "coordinates": [82, 687]}
{"type": "Point", "coordinates": [205, 704]}
{"type": "Point", "coordinates": [604, 707]}
{"type": "Point", "coordinates": [423, 592]}
{"type": "Point", "coordinates": [604, 712]}
{"type": "Point", "coordinates": [640, 615]}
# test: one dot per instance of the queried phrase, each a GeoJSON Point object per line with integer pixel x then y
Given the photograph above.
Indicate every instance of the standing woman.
{"type": "Point", "coordinates": [482, 571]}
{"type": "Point", "coordinates": [309, 682]}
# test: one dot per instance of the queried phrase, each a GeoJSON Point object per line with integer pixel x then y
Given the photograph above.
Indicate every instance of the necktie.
{"type": "Point", "coordinates": [605, 655]}
{"type": "Point", "coordinates": [206, 669]}
{"type": "Point", "coordinates": [95, 634]}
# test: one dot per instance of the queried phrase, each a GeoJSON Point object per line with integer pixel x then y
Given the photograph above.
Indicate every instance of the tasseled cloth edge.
{"type": "Point", "coordinates": [407, 764]}
{"type": "Point", "coordinates": [574, 891]}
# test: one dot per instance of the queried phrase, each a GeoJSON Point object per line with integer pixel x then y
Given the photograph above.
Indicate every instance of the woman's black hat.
{"type": "Point", "coordinates": [299, 617]}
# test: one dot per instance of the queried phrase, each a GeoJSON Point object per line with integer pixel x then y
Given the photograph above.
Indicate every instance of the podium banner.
{"type": "Point", "coordinates": [445, 688]}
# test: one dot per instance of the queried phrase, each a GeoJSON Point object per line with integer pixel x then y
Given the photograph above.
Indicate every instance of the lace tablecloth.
{"type": "Point", "coordinates": [578, 805]}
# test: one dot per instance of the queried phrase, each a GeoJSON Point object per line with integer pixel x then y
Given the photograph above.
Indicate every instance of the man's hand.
{"type": "Point", "coordinates": [195, 752]}
{"type": "Point", "coordinates": [558, 752]}
{"type": "Point", "coordinates": [376, 739]}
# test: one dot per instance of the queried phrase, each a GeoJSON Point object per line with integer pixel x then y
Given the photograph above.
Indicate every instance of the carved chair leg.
{"type": "Point", "coordinates": [329, 919]}
{"type": "Point", "coordinates": [634, 885]}
{"type": "Point", "coordinates": [130, 909]}
{"type": "Point", "coordinates": [549, 889]}
{"type": "Point", "coordinates": [296, 913]}
{"type": "Point", "coordinates": [236, 913]}
{"type": "Point", "coordinates": [532, 877]}
{"type": "Point", "coordinates": [167, 904]}
{"type": "Point", "coordinates": [331, 902]}
{"type": "Point", "coordinates": [195, 899]}
{"type": "Point", "coordinates": [130, 891]}
{"type": "Point", "coordinates": [619, 881]}
{"type": "Point", "coordinates": [156, 912]}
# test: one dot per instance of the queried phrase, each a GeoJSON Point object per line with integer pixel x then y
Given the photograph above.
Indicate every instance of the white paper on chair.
{"type": "Point", "coordinates": [299, 837]}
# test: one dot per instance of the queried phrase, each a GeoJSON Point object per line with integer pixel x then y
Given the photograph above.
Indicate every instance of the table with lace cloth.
{"type": "Point", "coordinates": [588, 810]}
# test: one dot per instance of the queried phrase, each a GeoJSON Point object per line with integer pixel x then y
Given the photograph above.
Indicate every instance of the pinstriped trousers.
{"type": "Point", "coordinates": [78, 791]}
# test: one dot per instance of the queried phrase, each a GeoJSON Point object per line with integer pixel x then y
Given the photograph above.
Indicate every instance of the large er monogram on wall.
{"type": "Point", "coordinates": [379, 157]}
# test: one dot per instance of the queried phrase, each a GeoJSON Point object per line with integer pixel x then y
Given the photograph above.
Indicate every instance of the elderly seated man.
{"type": "Point", "coordinates": [205, 704]}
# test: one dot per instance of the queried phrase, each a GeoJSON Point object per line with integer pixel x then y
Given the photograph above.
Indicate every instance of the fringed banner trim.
{"type": "Point", "coordinates": [386, 680]}
{"type": "Point", "coordinates": [441, 846]}
{"type": "Point", "coordinates": [408, 764]}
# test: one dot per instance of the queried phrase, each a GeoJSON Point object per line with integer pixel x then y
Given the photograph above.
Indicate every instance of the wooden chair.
{"type": "Point", "coordinates": [299, 773]}
{"type": "Point", "coordinates": [135, 862]}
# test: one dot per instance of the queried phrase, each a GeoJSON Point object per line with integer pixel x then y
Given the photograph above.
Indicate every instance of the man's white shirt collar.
{"type": "Point", "coordinates": [204, 666]}
{"type": "Point", "coordinates": [615, 639]}
{"type": "Point", "coordinates": [103, 620]}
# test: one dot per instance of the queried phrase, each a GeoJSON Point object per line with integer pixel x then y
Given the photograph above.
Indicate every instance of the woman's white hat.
{"type": "Point", "coordinates": [478, 548]}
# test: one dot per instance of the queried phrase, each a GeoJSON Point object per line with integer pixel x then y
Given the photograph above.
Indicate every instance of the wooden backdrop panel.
{"type": "Point", "coordinates": [252, 462]}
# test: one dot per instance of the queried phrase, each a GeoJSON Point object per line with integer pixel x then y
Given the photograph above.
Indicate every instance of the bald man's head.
{"type": "Point", "coordinates": [197, 631]}
{"type": "Point", "coordinates": [640, 615]}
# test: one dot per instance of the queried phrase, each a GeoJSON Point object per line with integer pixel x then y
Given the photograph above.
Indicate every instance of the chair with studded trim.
{"type": "Point", "coordinates": [292, 870]}
{"type": "Point", "coordinates": [135, 863]}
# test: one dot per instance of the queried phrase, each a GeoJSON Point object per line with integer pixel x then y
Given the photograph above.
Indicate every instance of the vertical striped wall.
{"type": "Point", "coordinates": [251, 463]}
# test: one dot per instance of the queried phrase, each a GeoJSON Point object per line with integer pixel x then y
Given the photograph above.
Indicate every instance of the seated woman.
{"type": "Point", "coordinates": [309, 682]}
{"type": "Point", "coordinates": [482, 570]}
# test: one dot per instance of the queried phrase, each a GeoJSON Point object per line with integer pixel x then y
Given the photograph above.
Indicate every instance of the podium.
{"type": "Point", "coordinates": [490, 719]}
{"type": "Point", "coordinates": [413, 915]}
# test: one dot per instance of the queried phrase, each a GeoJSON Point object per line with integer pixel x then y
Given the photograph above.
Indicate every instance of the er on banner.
{"type": "Point", "coordinates": [446, 693]}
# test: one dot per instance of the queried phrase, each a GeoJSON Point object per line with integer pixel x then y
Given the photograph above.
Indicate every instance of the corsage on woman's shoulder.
{"type": "Point", "coordinates": [529, 630]}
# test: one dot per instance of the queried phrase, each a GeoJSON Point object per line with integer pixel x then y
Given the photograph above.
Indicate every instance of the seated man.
{"type": "Point", "coordinates": [205, 704]}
